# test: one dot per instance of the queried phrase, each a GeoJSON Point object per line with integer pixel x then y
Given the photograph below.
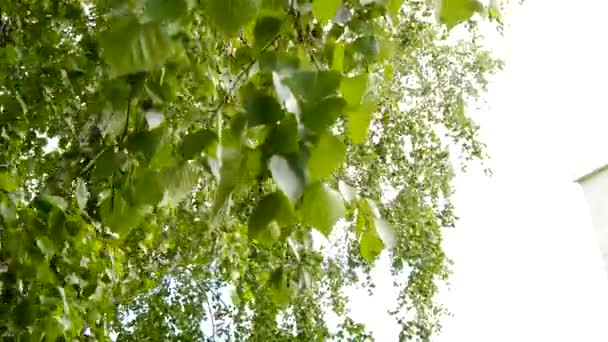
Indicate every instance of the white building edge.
{"type": "Point", "coordinates": [595, 188]}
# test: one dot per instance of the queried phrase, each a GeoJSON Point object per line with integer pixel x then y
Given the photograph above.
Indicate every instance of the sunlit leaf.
{"type": "Point", "coordinates": [288, 175]}
{"type": "Point", "coordinates": [325, 10]}
{"type": "Point", "coordinates": [454, 12]}
{"type": "Point", "coordinates": [353, 88]}
{"type": "Point", "coordinates": [359, 120]}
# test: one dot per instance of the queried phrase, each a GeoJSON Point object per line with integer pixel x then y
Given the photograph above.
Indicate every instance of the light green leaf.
{"type": "Point", "coordinates": [6, 182]}
{"type": "Point", "coordinates": [82, 194]}
{"type": "Point", "coordinates": [130, 47]}
{"type": "Point", "coordinates": [288, 175]}
{"type": "Point", "coordinates": [325, 10]}
{"type": "Point", "coordinates": [359, 120]}
{"type": "Point", "coordinates": [230, 15]}
{"type": "Point", "coordinates": [353, 88]}
{"type": "Point", "coordinates": [386, 232]}
{"type": "Point", "coordinates": [321, 207]}
{"type": "Point", "coordinates": [454, 12]}
{"type": "Point", "coordinates": [272, 212]}
{"type": "Point", "coordinates": [194, 143]}
{"type": "Point", "coordinates": [388, 72]}
{"type": "Point", "coordinates": [370, 246]}
{"type": "Point", "coordinates": [325, 157]}
{"type": "Point", "coordinates": [393, 8]}
{"type": "Point", "coordinates": [228, 177]}
{"type": "Point", "coordinates": [179, 182]}
{"type": "Point", "coordinates": [337, 62]}
{"type": "Point", "coordinates": [46, 246]}
{"type": "Point", "coordinates": [348, 192]}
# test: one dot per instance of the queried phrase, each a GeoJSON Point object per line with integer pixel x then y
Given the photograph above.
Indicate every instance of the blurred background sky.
{"type": "Point", "coordinates": [527, 265]}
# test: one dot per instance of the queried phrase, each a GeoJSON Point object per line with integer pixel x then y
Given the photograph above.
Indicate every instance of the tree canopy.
{"type": "Point", "coordinates": [169, 168]}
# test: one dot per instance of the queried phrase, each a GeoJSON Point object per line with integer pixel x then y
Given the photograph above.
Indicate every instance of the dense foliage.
{"type": "Point", "coordinates": [168, 167]}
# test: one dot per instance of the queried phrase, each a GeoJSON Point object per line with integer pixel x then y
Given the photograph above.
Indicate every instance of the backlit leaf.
{"type": "Point", "coordinates": [359, 120]}
{"type": "Point", "coordinates": [353, 88]}
{"type": "Point", "coordinates": [325, 157]}
{"type": "Point", "coordinates": [325, 10]}
{"type": "Point", "coordinates": [454, 12]}
{"type": "Point", "coordinates": [321, 207]}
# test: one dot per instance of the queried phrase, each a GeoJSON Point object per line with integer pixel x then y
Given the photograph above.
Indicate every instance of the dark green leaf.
{"type": "Point", "coordinates": [313, 86]}
{"type": "Point", "coordinates": [130, 47]}
{"type": "Point", "coordinates": [322, 207]}
{"type": "Point", "coordinates": [146, 142]}
{"type": "Point", "coordinates": [321, 115]}
{"type": "Point", "coordinates": [148, 189]}
{"type": "Point", "coordinates": [261, 109]}
{"type": "Point", "coordinates": [279, 287]}
{"type": "Point", "coordinates": [325, 157]}
{"type": "Point", "coordinates": [353, 88]}
{"type": "Point", "coordinates": [194, 143]}
{"type": "Point", "coordinates": [264, 31]}
{"type": "Point", "coordinates": [283, 139]}
{"type": "Point", "coordinates": [454, 12]}
{"type": "Point", "coordinates": [230, 15]}
{"type": "Point", "coordinates": [359, 120]}
{"type": "Point", "coordinates": [288, 175]}
{"type": "Point", "coordinates": [325, 10]}
{"type": "Point", "coordinates": [56, 201]}
{"type": "Point", "coordinates": [367, 47]}
{"type": "Point", "coordinates": [272, 212]}
{"type": "Point", "coordinates": [165, 10]}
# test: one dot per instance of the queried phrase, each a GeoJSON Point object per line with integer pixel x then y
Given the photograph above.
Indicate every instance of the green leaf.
{"type": "Point", "coordinates": [283, 139]}
{"type": "Point", "coordinates": [288, 175]}
{"type": "Point", "coordinates": [229, 175]}
{"type": "Point", "coordinates": [319, 116]}
{"type": "Point", "coordinates": [118, 215]}
{"type": "Point", "coordinates": [359, 120]}
{"type": "Point", "coordinates": [178, 182]}
{"type": "Point", "coordinates": [148, 189]}
{"type": "Point", "coordinates": [46, 246]}
{"type": "Point", "coordinates": [393, 8]}
{"type": "Point", "coordinates": [337, 62]}
{"type": "Point", "coordinates": [56, 201]}
{"type": "Point", "coordinates": [368, 48]}
{"type": "Point", "coordinates": [348, 192]}
{"type": "Point", "coordinates": [370, 246]}
{"type": "Point", "coordinates": [272, 212]}
{"type": "Point", "coordinates": [165, 10]}
{"type": "Point", "coordinates": [353, 88]}
{"type": "Point", "coordinates": [194, 143]}
{"type": "Point", "coordinates": [6, 182]}
{"type": "Point", "coordinates": [454, 12]}
{"type": "Point", "coordinates": [388, 72]}
{"type": "Point", "coordinates": [82, 194]}
{"type": "Point", "coordinates": [230, 15]}
{"type": "Point", "coordinates": [313, 86]}
{"type": "Point", "coordinates": [265, 30]}
{"type": "Point", "coordinates": [279, 288]}
{"type": "Point", "coordinates": [386, 232]}
{"type": "Point", "coordinates": [321, 207]}
{"type": "Point", "coordinates": [261, 109]}
{"type": "Point", "coordinates": [146, 143]}
{"type": "Point", "coordinates": [325, 10]}
{"type": "Point", "coordinates": [325, 157]}
{"type": "Point", "coordinates": [130, 47]}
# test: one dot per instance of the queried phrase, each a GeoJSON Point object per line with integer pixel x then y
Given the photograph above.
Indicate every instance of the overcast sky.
{"type": "Point", "coordinates": [528, 267]}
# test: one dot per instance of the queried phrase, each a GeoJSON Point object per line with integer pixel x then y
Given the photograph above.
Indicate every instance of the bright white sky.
{"type": "Point", "coordinates": [528, 267]}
